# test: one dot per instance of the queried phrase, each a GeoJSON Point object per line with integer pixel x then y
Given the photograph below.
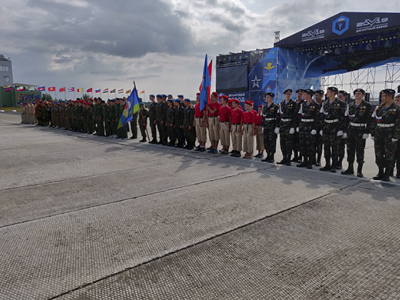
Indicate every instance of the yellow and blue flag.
{"type": "Point", "coordinates": [132, 106]}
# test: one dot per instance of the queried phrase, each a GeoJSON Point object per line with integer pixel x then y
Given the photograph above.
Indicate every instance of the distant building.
{"type": "Point", "coordinates": [6, 75]}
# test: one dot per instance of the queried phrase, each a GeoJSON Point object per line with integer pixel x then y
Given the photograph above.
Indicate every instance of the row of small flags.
{"type": "Point", "coordinates": [71, 89]}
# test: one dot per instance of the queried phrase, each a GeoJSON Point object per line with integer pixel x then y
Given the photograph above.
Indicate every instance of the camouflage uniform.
{"type": "Point", "coordinates": [159, 119]}
{"type": "Point", "coordinates": [333, 115]}
{"type": "Point", "coordinates": [170, 123]}
{"type": "Point", "coordinates": [287, 120]}
{"type": "Point", "coordinates": [178, 121]}
{"type": "Point", "coordinates": [134, 125]}
{"type": "Point", "coordinates": [359, 123]}
{"type": "Point", "coordinates": [89, 119]}
{"type": "Point", "coordinates": [296, 138]}
{"type": "Point", "coordinates": [270, 118]}
{"type": "Point", "coordinates": [309, 120]}
{"type": "Point", "coordinates": [188, 118]}
{"type": "Point", "coordinates": [108, 119]}
{"type": "Point", "coordinates": [152, 117]}
{"type": "Point", "coordinates": [100, 120]}
{"type": "Point", "coordinates": [142, 122]}
{"type": "Point", "coordinates": [384, 127]}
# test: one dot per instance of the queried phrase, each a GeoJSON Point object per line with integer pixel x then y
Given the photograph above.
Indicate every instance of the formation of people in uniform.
{"type": "Point", "coordinates": [316, 124]}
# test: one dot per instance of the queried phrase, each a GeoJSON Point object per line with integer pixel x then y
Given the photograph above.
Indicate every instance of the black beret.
{"type": "Point", "coordinates": [309, 91]}
{"type": "Point", "coordinates": [287, 90]}
{"type": "Point", "coordinates": [270, 94]}
{"type": "Point", "coordinates": [389, 92]}
{"type": "Point", "coordinates": [321, 92]}
{"type": "Point", "coordinates": [333, 89]}
{"type": "Point", "coordinates": [359, 90]}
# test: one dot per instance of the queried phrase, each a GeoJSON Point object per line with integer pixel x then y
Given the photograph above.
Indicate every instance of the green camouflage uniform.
{"type": "Point", "coordinates": [152, 118]}
{"type": "Point", "coordinates": [109, 113]}
{"type": "Point", "coordinates": [159, 119]}
{"type": "Point", "coordinates": [142, 121]}
{"type": "Point", "coordinates": [287, 120]}
{"type": "Point", "coordinates": [188, 118]}
{"type": "Point", "coordinates": [178, 121]}
{"type": "Point", "coordinates": [170, 123]}
{"type": "Point", "coordinates": [134, 125]}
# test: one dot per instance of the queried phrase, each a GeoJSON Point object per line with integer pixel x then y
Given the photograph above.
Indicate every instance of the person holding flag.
{"type": "Point", "coordinates": [131, 107]}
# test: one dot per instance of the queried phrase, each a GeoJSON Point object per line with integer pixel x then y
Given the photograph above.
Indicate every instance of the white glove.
{"type": "Point", "coordinates": [291, 131]}
{"type": "Point", "coordinates": [372, 138]}
{"type": "Point", "coordinates": [340, 133]}
{"type": "Point", "coordinates": [395, 140]}
{"type": "Point", "coordinates": [313, 132]}
{"type": "Point", "coordinates": [321, 133]}
{"type": "Point", "coordinates": [276, 130]}
{"type": "Point", "coordinates": [297, 129]}
{"type": "Point", "coordinates": [365, 136]}
{"type": "Point", "coordinates": [344, 136]}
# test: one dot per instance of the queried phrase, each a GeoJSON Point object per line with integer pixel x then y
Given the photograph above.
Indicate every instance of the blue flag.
{"type": "Point", "coordinates": [206, 83]}
{"type": "Point", "coordinates": [132, 106]}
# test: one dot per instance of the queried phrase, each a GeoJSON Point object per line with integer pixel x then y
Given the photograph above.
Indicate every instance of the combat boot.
{"type": "Point", "coordinates": [296, 157]}
{"type": "Point", "coordinates": [326, 168]}
{"type": "Point", "coordinates": [283, 161]}
{"type": "Point", "coordinates": [380, 174]}
{"type": "Point", "coordinates": [143, 140]}
{"type": "Point", "coordinates": [271, 158]}
{"type": "Point", "coordinates": [339, 163]}
{"type": "Point", "coordinates": [350, 169]}
{"type": "Point", "coordinates": [303, 164]}
{"type": "Point", "coordinates": [266, 159]}
{"type": "Point", "coordinates": [359, 170]}
{"type": "Point", "coordinates": [386, 176]}
{"type": "Point", "coordinates": [333, 167]}
{"type": "Point", "coordinates": [310, 162]}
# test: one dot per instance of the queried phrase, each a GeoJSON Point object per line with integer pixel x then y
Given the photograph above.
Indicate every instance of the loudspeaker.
{"type": "Point", "coordinates": [398, 89]}
{"type": "Point", "coordinates": [367, 97]}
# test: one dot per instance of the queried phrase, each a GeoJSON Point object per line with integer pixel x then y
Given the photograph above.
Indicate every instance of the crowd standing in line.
{"type": "Point", "coordinates": [307, 126]}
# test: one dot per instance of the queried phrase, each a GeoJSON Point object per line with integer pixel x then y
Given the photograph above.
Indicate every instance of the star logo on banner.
{"type": "Point", "coordinates": [256, 82]}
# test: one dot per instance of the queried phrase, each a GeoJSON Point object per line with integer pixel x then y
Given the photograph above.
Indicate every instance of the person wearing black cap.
{"type": "Point", "coordinates": [170, 122]}
{"type": "Point", "coordinates": [178, 120]}
{"type": "Point", "coordinates": [332, 128]}
{"type": "Point", "coordinates": [296, 141]}
{"type": "Point", "coordinates": [319, 94]}
{"type": "Point", "coordinates": [385, 130]}
{"type": "Point", "coordinates": [188, 119]}
{"type": "Point", "coordinates": [108, 117]}
{"type": "Point", "coordinates": [153, 121]}
{"type": "Point", "coordinates": [286, 126]}
{"type": "Point", "coordinates": [309, 124]}
{"type": "Point", "coordinates": [342, 96]}
{"type": "Point", "coordinates": [358, 114]}
{"type": "Point", "coordinates": [142, 121]}
{"type": "Point", "coordinates": [270, 117]}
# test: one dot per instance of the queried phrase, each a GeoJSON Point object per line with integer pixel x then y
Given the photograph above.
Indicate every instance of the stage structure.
{"type": "Point", "coordinates": [316, 57]}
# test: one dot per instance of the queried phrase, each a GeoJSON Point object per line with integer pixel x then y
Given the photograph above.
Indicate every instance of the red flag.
{"type": "Point", "coordinates": [209, 87]}
{"type": "Point", "coordinates": [52, 89]}
{"type": "Point", "coordinates": [62, 89]}
{"type": "Point", "coordinates": [89, 90]}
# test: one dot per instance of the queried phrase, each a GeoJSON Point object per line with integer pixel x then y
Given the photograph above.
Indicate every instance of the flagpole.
{"type": "Point", "coordinates": [65, 94]}
{"type": "Point", "coordinates": [55, 93]}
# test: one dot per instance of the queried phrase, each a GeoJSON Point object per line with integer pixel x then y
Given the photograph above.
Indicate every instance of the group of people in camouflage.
{"type": "Point", "coordinates": [307, 126]}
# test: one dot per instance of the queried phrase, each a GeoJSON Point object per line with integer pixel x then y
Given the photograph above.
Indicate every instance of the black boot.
{"type": "Point", "coordinates": [142, 140]}
{"type": "Point", "coordinates": [310, 162]}
{"type": "Point", "coordinates": [318, 163]}
{"type": "Point", "coordinates": [359, 170]}
{"type": "Point", "coordinates": [350, 169]}
{"type": "Point", "coordinates": [386, 176]}
{"type": "Point", "coordinates": [339, 163]}
{"type": "Point", "coordinates": [327, 165]}
{"type": "Point", "coordinates": [288, 163]}
{"type": "Point", "coordinates": [296, 157]}
{"type": "Point", "coordinates": [271, 158]}
{"type": "Point", "coordinates": [380, 174]}
{"type": "Point", "coordinates": [303, 164]}
{"type": "Point", "coordinates": [266, 159]}
{"type": "Point", "coordinates": [283, 161]}
{"type": "Point", "coordinates": [333, 167]}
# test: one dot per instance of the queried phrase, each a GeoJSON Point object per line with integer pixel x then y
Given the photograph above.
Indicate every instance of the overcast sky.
{"type": "Point", "coordinates": [160, 44]}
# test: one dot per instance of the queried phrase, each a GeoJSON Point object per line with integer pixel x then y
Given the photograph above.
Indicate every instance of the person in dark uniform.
{"type": "Point", "coordinates": [160, 118]}
{"type": "Point", "coordinates": [270, 118]}
{"type": "Point", "coordinates": [342, 96]}
{"type": "Point", "coordinates": [359, 118]}
{"type": "Point", "coordinates": [309, 125]}
{"type": "Point", "coordinates": [296, 141]}
{"type": "Point", "coordinates": [319, 94]}
{"type": "Point", "coordinates": [397, 156]}
{"type": "Point", "coordinates": [385, 130]}
{"type": "Point", "coordinates": [332, 128]}
{"type": "Point", "coordinates": [286, 126]}
{"type": "Point", "coordinates": [170, 122]}
{"type": "Point", "coordinates": [178, 121]}
{"type": "Point", "coordinates": [152, 118]}
{"type": "Point", "coordinates": [142, 121]}
{"type": "Point", "coordinates": [189, 130]}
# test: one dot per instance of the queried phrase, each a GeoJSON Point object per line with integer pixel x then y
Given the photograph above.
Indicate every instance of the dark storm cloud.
{"type": "Point", "coordinates": [118, 28]}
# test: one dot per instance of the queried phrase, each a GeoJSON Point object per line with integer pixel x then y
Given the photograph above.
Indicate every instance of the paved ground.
{"type": "Point", "coordinates": [84, 217]}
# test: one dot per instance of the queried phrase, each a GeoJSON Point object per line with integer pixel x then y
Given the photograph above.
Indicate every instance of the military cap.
{"type": "Point", "coordinates": [141, 103]}
{"type": "Point", "coordinates": [224, 97]}
{"type": "Point", "coordinates": [287, 90]}
{"type": "Point", "coordinates": [260, 106]}
{"type": "Point", "coordinates": [309, 91]}
{"type": "Point", "coordinates": [178, 100]}
{"type": "Point", "coordinates": [215, 94]}
{"type": "Point", "coordinates": [236, 101]}
{"type": "Point", "coordinates": [169, 95]}
{"type": "Point", "coordinates": [358, 90]}
{"type": "Point", "coordinates": [159, 96]}
{"type": "Point", "coordinates": [248, 103]}
{"type": "Point", "coordinates": [187, 100]}
{"type": "Point", "coordinates": [270, 94]}
{"type": "Point", "coordinates": [164, 96]}
{"type": "Point", "coordinates": [198, 94]}
{"type": "Point", "coordinates": [152, 96]}
{"type": "Point", "coordinates": [252, 102]}
{"type": "Point", "coordinates": [333, 89]}
{"type": "Point", "coordinates": [300, 91]}
{"type": "Point", "coordinates": [230, 101]}
{"type": "Point", "coordinates": [170, 100]}
{"type": "Point", "coordinates": [321, 92]}
{"type": "Point", "coordinates": [389, 92]}
{"type": "Point", "coordinates": [180, 96]}
{"type": "Point", "coordinates": [342, 92]}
